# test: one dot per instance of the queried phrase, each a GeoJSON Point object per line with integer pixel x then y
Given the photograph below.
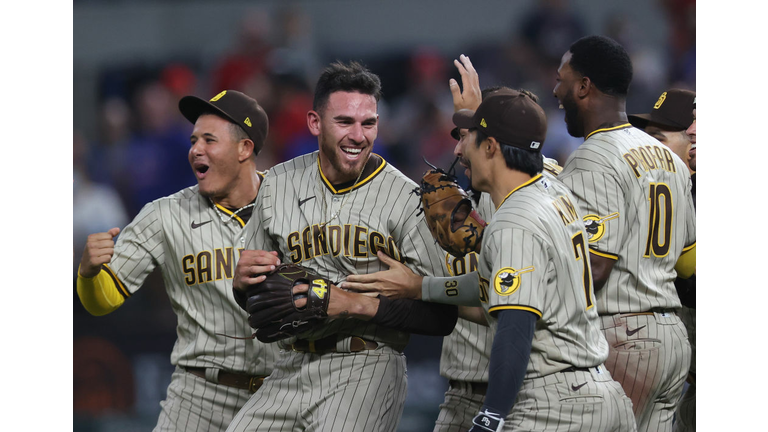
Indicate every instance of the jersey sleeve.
{"type": "Point", "coordinates": [256, 235]}
{"type": "Point", "coordinates": [139, 248]}
{"type": "Point", "coordinates": [518, 273]}
{"type": "Point", "coordinates": [690, 217]}
{"type": "Point", "coordinates": [601, 201]}
{"type": "Point", "coordinates": [421, 252]}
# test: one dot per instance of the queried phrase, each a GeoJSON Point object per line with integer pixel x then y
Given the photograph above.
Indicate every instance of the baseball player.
{"type": "Point", "coordinates": [547, 351]}
{"type": "Point", "coordinates": [195, 237]}
{"type": "Point", "coordinates": [466, 351]}
{"type": "Point", "coordinates": [668, 122]}
{"type": "Point", "coordinates": [332, 211]}
{"type": "Point", "coordinates": [639, 194]}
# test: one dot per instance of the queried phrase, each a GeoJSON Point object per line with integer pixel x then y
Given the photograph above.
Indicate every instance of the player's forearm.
{"type": "Point", "coordinates": [510, 355]}
{"type": "Point", "coordinates": [460, 290]}
{"type": "Point", "coordinates": [415, 316]}
{"type": "Point", "coordinates": [474, 314]}
{"type": "Point", "coordinates": [347, 304]}
{"type": "Point", "coordinates": [99, 295]}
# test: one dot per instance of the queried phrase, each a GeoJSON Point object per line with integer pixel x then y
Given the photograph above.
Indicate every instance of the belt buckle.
{"type": "Point", "coordinates": [255, 383]}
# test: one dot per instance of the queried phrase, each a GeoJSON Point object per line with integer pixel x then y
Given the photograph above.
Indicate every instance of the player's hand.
{"type": "Point", "coordinates": [487, 421]}
{"type": "Point", "coordinates": [252, 266]}
{"type": "Point", "coordinates": [470, 97]}
{"type": "Point", "coordinates": [98, 251]}
{"type": "Point", "coordinates": [397, 282]}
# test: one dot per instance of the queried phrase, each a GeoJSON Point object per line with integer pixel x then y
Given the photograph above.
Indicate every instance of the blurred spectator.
{"type": "Point", "coordinates": [550, 28]}
{"type": "Point", "coordinates": [96, 207]}
{"type": "Point", "coordinates": [155, 163]}
{"type": "Point", "coordinates": [421, 118]}
{"type": "Point", "coordinates": [249, 54]}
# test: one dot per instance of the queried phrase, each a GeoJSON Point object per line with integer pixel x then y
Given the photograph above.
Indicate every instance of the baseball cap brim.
{"type": "Point", "coordinates": [639, 120]}
{"type": "Point", "coordinates": [192, 106]}
{"type": "Point", "coordinates": [464, 119]}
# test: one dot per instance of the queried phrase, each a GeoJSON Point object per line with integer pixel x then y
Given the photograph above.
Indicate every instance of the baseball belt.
{"type": "Point", "coordinates": [231, 379]}
{"type": "Point", "coordinates": [577, 369]}
{"type": "Point", "coordinates": [478, 388]}
{"type": "Point", "coordinates": [329, 345]}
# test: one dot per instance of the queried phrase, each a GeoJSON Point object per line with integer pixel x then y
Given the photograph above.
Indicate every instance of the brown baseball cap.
{"type": "Point", "coordinates": [673, 110]}
{"type": "Point", "coordinates": [235, 106]}
{"type": "Point", "coordinates": [513, 118]}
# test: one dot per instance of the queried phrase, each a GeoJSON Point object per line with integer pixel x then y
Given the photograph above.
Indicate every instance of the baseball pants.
{"type": "Point", "coordinates": [332, 392]}
{"type": "Point", "coordinates": [649, 355]}
{"type": "Point", "coordinates": [577, 401]}
{"type": "Point", "coordinates": [461, 405]}
{"type": "Point", "coordinates": [195, 404]}
{"type": "Point", "coordinates": [685, 416]}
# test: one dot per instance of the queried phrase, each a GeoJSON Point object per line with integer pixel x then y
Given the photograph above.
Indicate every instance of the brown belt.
{"type": "Point", "coordinates": [328, 345]}
{"type": "Point", "coordinates": [230, 379]}
{"type": "Point", "coordinates": [475, 387]}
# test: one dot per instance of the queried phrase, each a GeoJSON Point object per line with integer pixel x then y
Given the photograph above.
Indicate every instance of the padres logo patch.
{"type": "Point", "coordinates": [507, 280]}
{"type": "Point", "coordinates": [660, 101]}
{"type": "Point", "coordinates": [218, 96]}
{"type": "Point", "coordinates": [594, 225]}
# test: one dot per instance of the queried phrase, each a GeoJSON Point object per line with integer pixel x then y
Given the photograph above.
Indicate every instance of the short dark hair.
{"type": "Point", "coordinates": [351, 77]}
{"type": "Point", "coordinates": [517, 159]}
{"type": "Point", "coordinates": [604, 61]}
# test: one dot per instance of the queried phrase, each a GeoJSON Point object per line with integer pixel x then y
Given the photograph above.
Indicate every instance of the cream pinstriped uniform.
{"type": "Point", "coordinates": [341, 391]}
{"type": "Point", "coordinates": [466, 351]}
{"type": "Point", "coordinates": [638, 196]}
{"type": "Point", "coordinates": [185, 236]}
{"type": "Point", "coordinates": [534, 258]}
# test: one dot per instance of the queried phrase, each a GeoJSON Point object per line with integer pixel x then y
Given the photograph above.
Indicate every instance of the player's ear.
{"type": "Point", "coordinates": [492, 146]}
{"type": "Point", "coordinates": [585, 86]}
{"type": "Point", "coordinates": [313, 122]}
{"type": "Point", "coordinates": [244, 149]}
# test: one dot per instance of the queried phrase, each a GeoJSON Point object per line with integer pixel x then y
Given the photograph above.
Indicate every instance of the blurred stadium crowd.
{"type": "Point", "coordinates": [138, 153]}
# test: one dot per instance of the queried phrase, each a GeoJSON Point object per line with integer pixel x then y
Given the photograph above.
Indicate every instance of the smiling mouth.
{"type": "Point", "coordinates": [352, 151]}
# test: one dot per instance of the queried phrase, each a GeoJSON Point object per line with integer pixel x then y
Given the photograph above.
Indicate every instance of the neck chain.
{"type": "Point", "coordinates": [225, 218]}
{"type": "Point", "coordinates": [336, 214]}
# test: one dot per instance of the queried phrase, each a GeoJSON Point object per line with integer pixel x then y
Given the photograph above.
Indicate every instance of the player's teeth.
{"type": "Point", "coordinates": [352, 150]}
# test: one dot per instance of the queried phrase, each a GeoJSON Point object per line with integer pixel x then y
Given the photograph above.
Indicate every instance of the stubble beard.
{"type": "Point", "coordinates": [572, 118]}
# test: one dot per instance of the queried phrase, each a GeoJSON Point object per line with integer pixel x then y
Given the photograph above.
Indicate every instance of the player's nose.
{"type": "Point", "coordinates": [356, 134]}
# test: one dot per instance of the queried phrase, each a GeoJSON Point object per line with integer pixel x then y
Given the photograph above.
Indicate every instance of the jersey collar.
{"type": "Point", "coordinates": [531, 181]}
{"type": "Point", "coordinates": [607, 129]}
{"type": "Point", "coordinates": [374, 166]}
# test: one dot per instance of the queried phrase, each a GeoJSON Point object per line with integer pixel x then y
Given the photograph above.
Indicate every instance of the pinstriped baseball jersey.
{"type": "Point", "coordinates": [535, 259]}
{"type": "Point", "coordinates": [338, 232]}
{"type": "Point", "coordinates": [467, 350]}
{"type": "Point", "coordinates": [465, 355]}
{"type": "Point", "coordinates": [635, 195]}
{"type": "Point", "coordinates": [185, 236]}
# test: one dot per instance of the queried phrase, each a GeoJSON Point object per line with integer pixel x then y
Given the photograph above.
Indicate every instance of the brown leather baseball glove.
{"type": "Point", "coordinates": [452, 220]}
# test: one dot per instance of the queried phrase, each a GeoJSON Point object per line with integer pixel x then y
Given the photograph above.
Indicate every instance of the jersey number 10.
{"type": "Point", "coordinates": [658, 242]}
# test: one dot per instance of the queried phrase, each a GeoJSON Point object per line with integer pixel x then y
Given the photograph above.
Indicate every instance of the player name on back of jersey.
{"type": "Point", "coordinates": [646, 158]}
{"type": "Point", "coordinates": [565, 209]}
{"type": "Point", "coordinates": [351, 240]}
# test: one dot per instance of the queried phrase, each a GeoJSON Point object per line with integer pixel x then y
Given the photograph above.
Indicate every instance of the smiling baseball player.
{"type": "Point", "coordinates": [195, 236]}
{"type": "Point", "coordinates": [637, 255]}
{"type": "Point", "coordinates": [332, 211]}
